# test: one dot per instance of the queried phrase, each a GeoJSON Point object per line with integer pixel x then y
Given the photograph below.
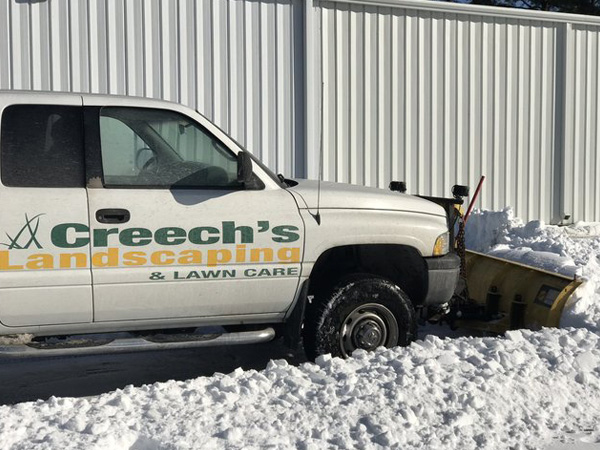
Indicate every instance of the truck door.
{"type": "Point", "coordinates": [175, 235]}
{"type": "Point", "coordinates": [43, 280]}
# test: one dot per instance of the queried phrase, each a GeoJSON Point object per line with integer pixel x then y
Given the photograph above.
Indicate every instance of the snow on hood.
{"type": "Point", "coordinates": [350, 196]}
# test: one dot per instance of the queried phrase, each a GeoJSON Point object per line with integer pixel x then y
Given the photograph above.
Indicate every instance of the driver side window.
{"type": "Point", "coordinates": [159, 148]}
{"type": "Point", "coordinates": [119, 144]}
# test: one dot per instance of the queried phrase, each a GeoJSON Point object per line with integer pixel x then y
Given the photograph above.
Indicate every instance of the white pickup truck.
{"type": "Point", "coordinates": [142, 219]}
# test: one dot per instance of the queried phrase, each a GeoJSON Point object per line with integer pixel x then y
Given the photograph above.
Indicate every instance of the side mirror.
{"type": "Point", "coordinates": [244, 168]}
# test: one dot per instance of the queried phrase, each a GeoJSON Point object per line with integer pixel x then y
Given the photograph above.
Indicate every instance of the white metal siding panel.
{"type": "Point", "coordinates": [438, 98]}
{"type": "Point", "coordinates": [582, 163]}
{"type": "Point", "coordinates": [237, 61]}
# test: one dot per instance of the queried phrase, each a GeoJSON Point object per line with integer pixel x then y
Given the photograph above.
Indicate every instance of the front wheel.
{"type": "Point", "coordinates": [361, 313]}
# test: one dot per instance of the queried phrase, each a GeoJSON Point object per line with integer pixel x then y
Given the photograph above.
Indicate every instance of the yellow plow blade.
{"type": "Point", "coordinates": [510, 295]}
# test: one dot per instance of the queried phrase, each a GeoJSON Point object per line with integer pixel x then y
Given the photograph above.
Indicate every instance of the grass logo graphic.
{"type": "Point", "coordinates": [26, 237]}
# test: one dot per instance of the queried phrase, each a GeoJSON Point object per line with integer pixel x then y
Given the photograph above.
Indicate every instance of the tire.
{"type": "Point", "coordinates": [361, 312]}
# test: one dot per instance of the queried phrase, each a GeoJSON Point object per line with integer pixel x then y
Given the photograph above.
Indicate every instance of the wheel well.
{"type": "Point", "coordinates": [400, 264]}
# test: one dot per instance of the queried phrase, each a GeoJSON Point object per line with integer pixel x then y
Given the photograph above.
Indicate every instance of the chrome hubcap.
{"type": "Point", "coordinates": [369, 334]}
{"type": "Point", "coordinates": [369, 326]}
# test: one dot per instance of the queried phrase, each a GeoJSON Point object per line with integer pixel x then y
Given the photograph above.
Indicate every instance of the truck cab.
{"type": "Point", "coordinates": [130, 214]}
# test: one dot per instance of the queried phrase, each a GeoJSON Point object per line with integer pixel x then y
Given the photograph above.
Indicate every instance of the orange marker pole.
{"type": "Point", "coordinates": [474, 198]}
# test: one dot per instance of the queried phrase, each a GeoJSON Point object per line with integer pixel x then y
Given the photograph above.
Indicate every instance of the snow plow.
{"type": "Point", "coordinates": [496, 294]}
{"type": "Point", "coordinates": [505, 295]}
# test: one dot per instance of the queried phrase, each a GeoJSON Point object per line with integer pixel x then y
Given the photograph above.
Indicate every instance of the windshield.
{"type": "Point", "coordinates": [257, 161]}
{"type": "Point", "coordinates": [162, 148]}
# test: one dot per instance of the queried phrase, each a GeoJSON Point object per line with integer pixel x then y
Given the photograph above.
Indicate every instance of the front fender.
{"type": "Point", "coordinates": [341, 227]}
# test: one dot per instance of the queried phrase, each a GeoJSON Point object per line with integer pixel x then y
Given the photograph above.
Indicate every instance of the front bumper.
{"type": "Point", "coordinates": [443, 277]}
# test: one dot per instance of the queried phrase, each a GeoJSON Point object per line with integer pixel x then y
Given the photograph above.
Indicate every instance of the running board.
{"type": "Point", "coordinates": [125, 345]}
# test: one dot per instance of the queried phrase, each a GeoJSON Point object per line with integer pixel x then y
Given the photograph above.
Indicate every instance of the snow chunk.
{"type": "Point", "coordinates": [16, 339]}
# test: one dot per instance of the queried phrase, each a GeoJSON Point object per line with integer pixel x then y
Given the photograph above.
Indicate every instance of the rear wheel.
{"type": "Point", "coordinates": [361, 312]}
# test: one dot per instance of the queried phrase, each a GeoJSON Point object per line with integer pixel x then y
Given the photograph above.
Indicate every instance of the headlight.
{"type": "Point", "coordinates": [442, 244]}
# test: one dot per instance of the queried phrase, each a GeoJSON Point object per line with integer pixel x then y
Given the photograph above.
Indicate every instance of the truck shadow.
{"type": "Point", "coordinates": [81, 376]}
{"type": "Point", "coordinates": [24, 380]}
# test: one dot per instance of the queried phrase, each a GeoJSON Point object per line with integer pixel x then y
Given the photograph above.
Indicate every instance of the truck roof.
{"type": "Point", "coordinates": [95, 98]}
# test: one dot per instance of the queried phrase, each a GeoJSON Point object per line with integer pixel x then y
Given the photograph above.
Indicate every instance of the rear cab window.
{"type": "Point", "coordinates": [42, 146]}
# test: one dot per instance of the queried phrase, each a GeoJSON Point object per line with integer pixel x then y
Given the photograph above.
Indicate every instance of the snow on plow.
{"type": "Point", "coordinates": [506, 295]}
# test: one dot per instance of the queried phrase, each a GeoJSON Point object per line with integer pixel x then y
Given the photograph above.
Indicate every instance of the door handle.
{"type": "Point", "coordinates": [112, 215]}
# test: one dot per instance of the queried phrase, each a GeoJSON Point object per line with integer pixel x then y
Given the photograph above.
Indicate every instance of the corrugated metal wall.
{"type": "Point", "coordinates": [239, 62]}
{"type": "Point", "coordinates": [440, 97]}
{"type": "Point", "coordinates": [437, 99]}
{"type": "Point", "coordinates": [427, 92]}
{"type": "Point", "coordinates": [581, 187]}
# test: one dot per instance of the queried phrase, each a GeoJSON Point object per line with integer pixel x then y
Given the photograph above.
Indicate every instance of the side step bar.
{"type": "Point", "coordinates": [135, 344]}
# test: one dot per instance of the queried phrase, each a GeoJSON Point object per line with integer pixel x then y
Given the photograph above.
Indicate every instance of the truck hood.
{"type": "Point", "coordinates": [350, 196]}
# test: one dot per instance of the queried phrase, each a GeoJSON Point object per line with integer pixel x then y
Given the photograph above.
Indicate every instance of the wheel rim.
{"type": "Point", "coordinates": [369, 326]}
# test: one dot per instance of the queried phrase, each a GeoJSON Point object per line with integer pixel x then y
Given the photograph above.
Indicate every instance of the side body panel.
{"type": "Point", "coordinates": [239, 269]}
{"type": "Point", "coordinates": [40, 283]}
{"type": "Point", "coordinates": [192, 252]}
{"type": "Point", "coordinates": [340, 227]}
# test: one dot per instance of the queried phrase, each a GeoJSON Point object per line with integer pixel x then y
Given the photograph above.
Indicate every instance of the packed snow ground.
{"type": "Point", "coordinates": [525, 390]}
{"type": "Point", "coordinates": [468, 393]}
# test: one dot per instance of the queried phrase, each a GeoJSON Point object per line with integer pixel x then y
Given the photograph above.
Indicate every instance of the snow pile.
{"type": "Point", "coordinates": [486, 228]}
{"type": "Point", "coordinates": [16, 339]}
{"type": "Point", "coordinates": [524, 391]}
{"type": "Point", "coordinates": [583, 230]}
{"type": "Point", "coordinates": [571, 250]}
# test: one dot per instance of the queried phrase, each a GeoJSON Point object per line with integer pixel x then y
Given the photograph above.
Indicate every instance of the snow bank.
{"type": "Point", "coordinates": [524, 391]}
{"type": "Point", "coordinates": [571, 250]}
